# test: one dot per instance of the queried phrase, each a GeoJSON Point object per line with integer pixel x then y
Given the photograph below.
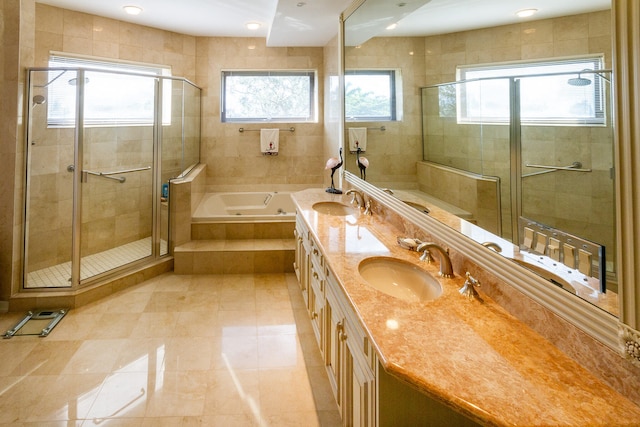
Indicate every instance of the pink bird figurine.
{"type": "Point", "coordinates": [334, 164]}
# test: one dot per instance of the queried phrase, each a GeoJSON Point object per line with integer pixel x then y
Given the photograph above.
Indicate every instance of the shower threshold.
{"type": "Point", "coordinates": [59, 276]}
{"type": "Point", "coordinates": [37, 323]}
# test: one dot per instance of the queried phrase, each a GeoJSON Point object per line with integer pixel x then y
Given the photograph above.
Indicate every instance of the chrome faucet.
{"type": "Point", "coordinates": [446, 269]}
{"type": "Point", "coordinates": [354, 197]}
{"type": "Point", "coordinates": [492, 245]}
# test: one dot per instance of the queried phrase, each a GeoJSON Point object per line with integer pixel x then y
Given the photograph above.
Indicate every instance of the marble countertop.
{"type": "Point", "coordinates": [469, 354]}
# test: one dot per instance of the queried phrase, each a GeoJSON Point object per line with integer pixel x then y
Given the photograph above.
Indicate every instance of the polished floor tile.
{"type": "Point", "coordinates": [201, 350]}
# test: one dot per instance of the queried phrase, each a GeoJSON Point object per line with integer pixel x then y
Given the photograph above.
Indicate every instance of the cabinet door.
{"type": "Point", "coordinates": [297, 260]}
{"type": "Point", "coordinates": [362, 392]}
{"type": "Point", "coordinates": [316, 304]}
{"type": "Point", "coordinates": [334, 325]}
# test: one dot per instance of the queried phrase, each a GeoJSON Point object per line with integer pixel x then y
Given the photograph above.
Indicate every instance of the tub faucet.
{"type": "Point", "coordinates": [354, 198]}
{"type": "Point", "coordinates": [446, 269]}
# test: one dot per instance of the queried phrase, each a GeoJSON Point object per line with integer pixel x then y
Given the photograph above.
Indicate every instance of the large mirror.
{"type": "Point", "coordinates": [505, 125]}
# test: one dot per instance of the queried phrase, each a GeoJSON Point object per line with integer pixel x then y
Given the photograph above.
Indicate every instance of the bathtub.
{"type": "Point", "coordinates": [245, 207]}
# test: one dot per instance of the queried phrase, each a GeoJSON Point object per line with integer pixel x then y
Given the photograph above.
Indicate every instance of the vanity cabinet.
{"type": "Point", "coordinates": [348, 364]}
{"type": "Point", "coordinates": [301, 257]}
{"type": "Point", "coordinates": [349, 359]}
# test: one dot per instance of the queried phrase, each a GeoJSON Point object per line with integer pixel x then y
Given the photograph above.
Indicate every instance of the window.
{"type": "Point", "coordinates": [268, 96]}
{"type": "Point", "coordinates": [547, 95]}
{"type": "Point", "coordinates": [370, 95]}
{"type": "Point", "coordinates": [114, 92]}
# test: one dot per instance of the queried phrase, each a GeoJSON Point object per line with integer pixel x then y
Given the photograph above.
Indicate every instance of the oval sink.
{"type": "Point", "coordinates": [333, 208]}
{"type": "Point", "coordinates": [400, 279]}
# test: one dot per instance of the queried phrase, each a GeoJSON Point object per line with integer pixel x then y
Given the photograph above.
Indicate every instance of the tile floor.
{"type": "Point", "coordinates": [201, 350]}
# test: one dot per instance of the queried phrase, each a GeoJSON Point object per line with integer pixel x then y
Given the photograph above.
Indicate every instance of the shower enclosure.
{"type": "Point", "coordinates": [547, 138]}
{"type": "Point", "coordinates": [101, 149]}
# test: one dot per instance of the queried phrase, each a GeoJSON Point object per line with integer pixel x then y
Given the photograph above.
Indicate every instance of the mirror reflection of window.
{"type": "Point", "coordinates": [371, 95]}
{"type": "Point", "coordinates": [549, 95]}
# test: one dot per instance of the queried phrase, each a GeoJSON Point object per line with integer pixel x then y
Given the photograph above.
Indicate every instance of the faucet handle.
{"type": "Point", "coordinates": [468, 289]}
{"type": "Point", "coordinates": [367, 205]}
{"type": "Point", "coordinates": [426, 256]}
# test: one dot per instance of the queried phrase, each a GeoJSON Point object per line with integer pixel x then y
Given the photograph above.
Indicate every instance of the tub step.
{"type": "Point", "coordinates": [235, 256]}
{"type": "Point", "coordinates": [241, 230]}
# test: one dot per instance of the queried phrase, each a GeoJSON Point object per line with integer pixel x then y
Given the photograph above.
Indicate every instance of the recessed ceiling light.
{"type": "Point", "coordinates": [392, 26]}
{"type": "Point", "coordinates": [300, 4]}
{"type": "Point", "coordinates": [525, 13]}
{"type": "Point", "coordinates": [253, 26]}
{"type": "Point", "coordinates": [132, 10]}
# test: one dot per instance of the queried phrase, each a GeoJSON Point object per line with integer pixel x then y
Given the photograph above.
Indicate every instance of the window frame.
{"type": "Point", "coordinates": [395, 94]}
{"type": "Point", "coordinates": [502, 71]}
{"type": "Point", "coordinates": [313, 108]}
{"type": "Point", "coordinates": [60, 61]}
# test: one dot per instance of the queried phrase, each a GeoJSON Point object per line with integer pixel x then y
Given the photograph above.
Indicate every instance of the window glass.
{"type": "Point", "coordinates": [268, 96]}
{"type": "Point", "coordinates": [549, 92]}
{"type": "Point", "coordinates": [370, 95]}
{"type": "Point", "coordinates": [114, 93]}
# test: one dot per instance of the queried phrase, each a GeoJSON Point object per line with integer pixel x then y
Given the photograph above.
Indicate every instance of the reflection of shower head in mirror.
{"type": "Point", "coordinates": [579, 81]}
{"type": "Point", "coordinates": [39, 100]}
{"type": "Point", "coordinates": [74, 81]}
{"type": "Point", "coordinates": [583, 81]}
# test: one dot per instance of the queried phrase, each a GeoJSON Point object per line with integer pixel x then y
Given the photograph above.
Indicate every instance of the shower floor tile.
{"type": "Point", "coordinates": [59, 276]}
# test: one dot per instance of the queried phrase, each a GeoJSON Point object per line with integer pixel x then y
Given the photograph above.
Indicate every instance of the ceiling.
{"type": "Point", "coordinates": [294, 23]}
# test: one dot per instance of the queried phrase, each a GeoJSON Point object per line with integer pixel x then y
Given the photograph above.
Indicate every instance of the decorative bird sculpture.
{"type": "Point", "coordinates": [334, 164]}
{"type": "Point", "coordinates": [362, 163]}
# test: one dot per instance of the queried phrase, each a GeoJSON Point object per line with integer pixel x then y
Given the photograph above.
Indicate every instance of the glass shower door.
{"type": "Point", "coordinates": [567, 166]}
{"type": "Point", "coordinates": [117, 183]}
{"type": "Point", "coordinates": [49, 184]}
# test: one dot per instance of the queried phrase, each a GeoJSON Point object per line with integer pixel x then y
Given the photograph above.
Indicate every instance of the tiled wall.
{"type": "Point", "coordinates": [332, 106]}
{"type": "Point", "coordinates": [233, 159]}
{"type": "Point", "coordinates": [185, 196]}
{"type": "Point", "coordinates": [582, 200]}
{"type": "Point", "coordinates": [17, 24]}
{"type": "Point", "coordinates": [473, 193]}
{"type": "Point", "coordinates": [390, 152]}
{"type": "Point", "coordinates": [546, 38]}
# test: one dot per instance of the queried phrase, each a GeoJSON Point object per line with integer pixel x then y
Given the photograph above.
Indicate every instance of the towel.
{"type": "Point", "coordinates": [358, 135]}
{"type": "Point", "coordinates": [269, 141]}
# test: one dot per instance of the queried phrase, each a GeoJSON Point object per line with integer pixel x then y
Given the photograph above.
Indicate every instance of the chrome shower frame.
{"type": "Point", "coordinates": [75, 281]}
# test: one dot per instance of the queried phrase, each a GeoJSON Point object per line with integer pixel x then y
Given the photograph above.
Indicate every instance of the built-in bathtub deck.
{"type": "Point", "coordinates": [237, 247]}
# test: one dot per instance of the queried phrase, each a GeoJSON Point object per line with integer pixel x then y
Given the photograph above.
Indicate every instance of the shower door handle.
{"type": "Point", "coordinates": [120, 179]}
{"type": "Point", "coordinates": [146, 168]}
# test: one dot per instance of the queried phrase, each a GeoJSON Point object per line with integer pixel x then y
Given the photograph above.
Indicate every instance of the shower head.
{"type": "Point", "coordinates": [579, 81]}
{"type": "Point", "coordinates": [39, 100]}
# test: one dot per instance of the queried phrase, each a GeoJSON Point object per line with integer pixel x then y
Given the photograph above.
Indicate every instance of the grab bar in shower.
{"type": "Point", "coordinates": [575, 167]}
{"type": "Point", "coordinates": [120, 179]}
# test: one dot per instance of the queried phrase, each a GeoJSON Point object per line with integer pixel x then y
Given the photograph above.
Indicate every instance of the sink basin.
{"type": "Point", "coordinates": [400, 279]}
{"type": "Point", "coordinates": [334, 208]}
{"type": "Point", "coordinates": [547, 275]}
